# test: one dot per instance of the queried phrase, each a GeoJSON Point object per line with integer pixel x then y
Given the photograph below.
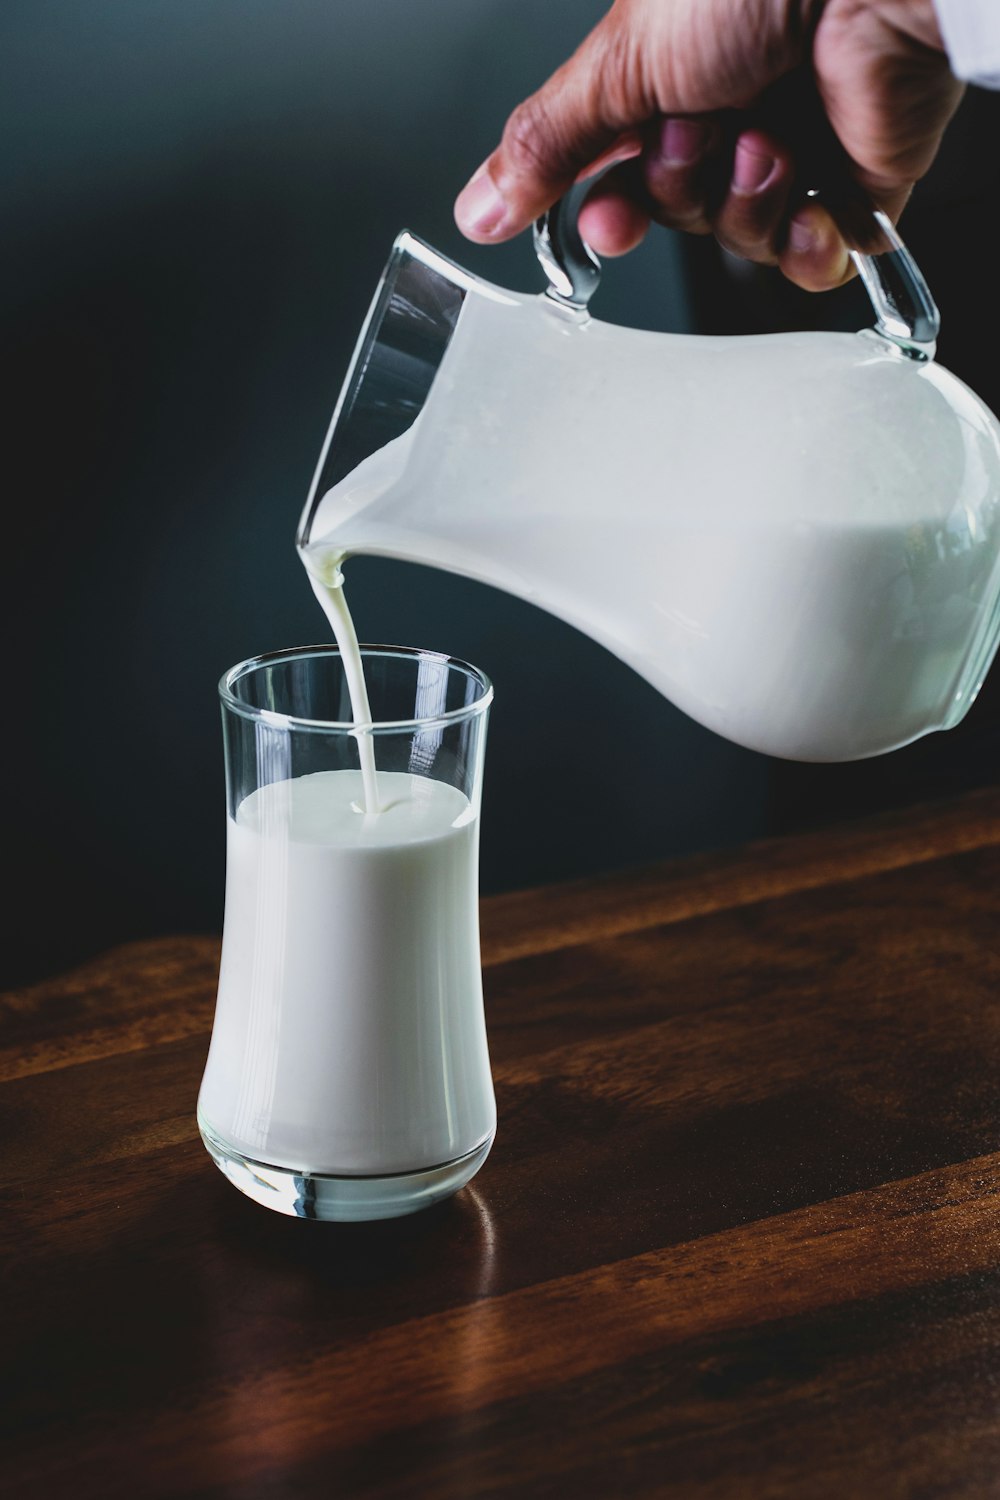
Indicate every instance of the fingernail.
{"type": "Point", "coordinates": [682, 142]}
{"type": "Point", "coordinates": [801, 237]}
{"type": "Point", "coordinates": [751, 169]}
{"type": "Point", "coordinates": [479, 208]}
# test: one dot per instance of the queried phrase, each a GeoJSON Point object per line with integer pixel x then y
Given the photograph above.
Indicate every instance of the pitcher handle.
{"type": "Point", "coordinates": [571, 267]}
{"type": "Point", "coordinates": [905, 311]}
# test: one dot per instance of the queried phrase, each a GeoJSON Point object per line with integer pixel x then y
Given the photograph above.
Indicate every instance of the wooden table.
{"type": "Point", "coordinates": [739, 1234]}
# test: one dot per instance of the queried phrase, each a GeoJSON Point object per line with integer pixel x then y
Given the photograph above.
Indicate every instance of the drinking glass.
{"type": "Point", "coordinates": [348, 1075]}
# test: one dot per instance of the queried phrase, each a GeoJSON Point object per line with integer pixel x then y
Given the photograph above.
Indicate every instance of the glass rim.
{"type": "Point", "coordinates": [407, 653]}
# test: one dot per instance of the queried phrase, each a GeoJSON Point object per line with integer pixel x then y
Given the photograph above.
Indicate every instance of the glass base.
{"type": "Point", "coordinates": [315, 1195]}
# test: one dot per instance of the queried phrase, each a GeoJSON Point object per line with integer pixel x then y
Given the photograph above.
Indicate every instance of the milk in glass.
{"type": "Point", "coordinates": [349, 1037]}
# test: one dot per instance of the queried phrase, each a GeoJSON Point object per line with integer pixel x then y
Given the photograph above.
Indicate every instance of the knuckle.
{"type": "Point", "coordinates": [617, 75]}
{"type": "Point", "coordinates": [530, 143]}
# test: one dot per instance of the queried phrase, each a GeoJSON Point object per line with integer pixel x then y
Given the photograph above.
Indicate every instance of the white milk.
{"type": "Point", "coordinates": [715, 512]}
{"type": "Point", "coordinates": [349, 1034]}
{"type": "Point", "coordinates": [328, 585]}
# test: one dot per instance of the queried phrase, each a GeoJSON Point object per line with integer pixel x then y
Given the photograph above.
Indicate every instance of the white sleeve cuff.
{"type": "Point", "coordinates": [970, 30]}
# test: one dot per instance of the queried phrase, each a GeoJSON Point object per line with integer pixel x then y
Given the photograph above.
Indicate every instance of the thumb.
{"type": "Point", "coordinates": [547, 143]}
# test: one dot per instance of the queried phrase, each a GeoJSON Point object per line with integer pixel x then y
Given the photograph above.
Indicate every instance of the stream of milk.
{"type": "Point", "coordinates": [328, 585]}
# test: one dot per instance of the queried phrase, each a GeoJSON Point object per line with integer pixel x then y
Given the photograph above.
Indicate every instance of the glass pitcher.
{"type": "Point", "coordinates": [794, 537]}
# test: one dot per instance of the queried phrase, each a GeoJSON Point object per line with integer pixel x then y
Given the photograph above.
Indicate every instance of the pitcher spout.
{"type": "Point", "coordinates": [405, 336]}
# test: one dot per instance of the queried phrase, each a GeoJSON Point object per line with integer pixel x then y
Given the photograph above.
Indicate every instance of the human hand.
{"type": "Point", "coordinates": [690, 102]}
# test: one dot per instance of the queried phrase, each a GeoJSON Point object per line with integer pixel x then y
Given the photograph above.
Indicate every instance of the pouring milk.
{"type": "Point", "coordinates": [349, 1037]}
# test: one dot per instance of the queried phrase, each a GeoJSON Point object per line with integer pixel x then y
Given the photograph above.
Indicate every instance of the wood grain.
{"type": "Point", "coordinates": [739, 1235]}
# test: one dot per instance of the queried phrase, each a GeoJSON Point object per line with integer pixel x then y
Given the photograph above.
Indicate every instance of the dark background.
{"type": "Point", "coordinates": [198, 200]}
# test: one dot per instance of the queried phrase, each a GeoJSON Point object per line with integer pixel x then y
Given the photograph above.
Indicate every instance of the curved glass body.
{"type": "Point", "coordinates": [348, 1075]}
{"type": "Point", "coordinates": [794, 537]}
